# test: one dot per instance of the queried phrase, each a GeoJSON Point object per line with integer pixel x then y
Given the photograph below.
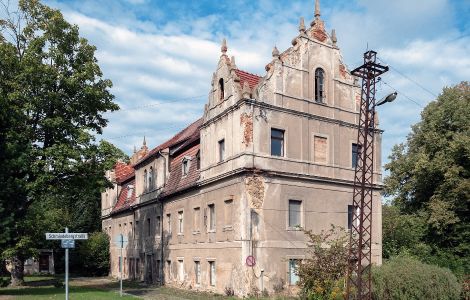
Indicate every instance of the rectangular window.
{"type": "Point", "coordinates": [293, 265]}
{"type": "Point", "coordinates": [158, 225]}
{"type": "Point", "coordinates": [356, 151]}
{"type": "Point", "coordinates": [196, 218]}
{"type": "Point", "coordinates": [137, 268]}
{"type": "Point", "coordinates": [180, 222]}
{"type": "Point", "coordinates": [351, 216]}
{"type": "Point", "coordinates": [320, 148]}
{"type": "Point", "coordinates": [211, 217]}
{"type": "Point", "coordinates": [180, 270]}
{"type": "Point", "coordinates": [212, 273]}
{"type": "Point", "coordinates": [221, 150]}
{"type": "Point", "coordinates": [197, 271]}
{"type": "Point", "coordinates": [149, 231]}
{"type": "Point", "coordinates": [185, 167]}
{"type": "Point", "coordinates": [294, 213]}
{"type": "Point", "coordinates": [277, 142]}
{"type": "Point", "coordinates": [228, 212]}
{"type": "Point", "coordinates": [168, 220]}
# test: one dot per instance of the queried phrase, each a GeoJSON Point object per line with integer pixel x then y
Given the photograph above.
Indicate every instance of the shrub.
{"type": "Point", "coordinates": [229, 291]}
{"type": "Point", "coordinates": [405, 278]}
{"type": "Point", "coordinates": [94, 254]}
{"type": "Point", "coordinates": [323, 271]}
{"type": "Point", "coordinates": [4, 281]}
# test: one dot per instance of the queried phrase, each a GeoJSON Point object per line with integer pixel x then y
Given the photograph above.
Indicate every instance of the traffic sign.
{"type": "Point", "coordinates": [67, 244]}
{"type": "Point", "coordinates": [66, 236]}
{"type": "Point", "coordinates": [250, 261]}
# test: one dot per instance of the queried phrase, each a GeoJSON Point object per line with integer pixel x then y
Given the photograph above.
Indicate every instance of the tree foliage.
{"type": "Point", "coordinates": [323, 271]}
{"type": "Point", "coordinates": [94, 254]}
{"type": "Point", "coordinates": [52, 100]}
{"type": "Point", "coordinates": [430, 175]}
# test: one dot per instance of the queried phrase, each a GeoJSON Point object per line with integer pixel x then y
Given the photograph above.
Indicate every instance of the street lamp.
{"type": "Point", "coordinates": [391, 97]}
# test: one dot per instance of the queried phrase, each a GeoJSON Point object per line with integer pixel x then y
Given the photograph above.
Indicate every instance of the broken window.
{"type": "Point", "coordinates": [212, 273]}
{"type": "Point", "coordinates": [180, 222]}
{"type": "Point", "coordinates": [196, 219]}
{"type": "Point", "coordinates": [145, 181]}
{"type": "Point", "coordinates": [168, 219]}
{"type": "Point", "coordinates": [320, 149]}
{"type": "Point", "coordinates": [185, 166]}
{"type": "Point", "coordinates": [228, 212]}
{"type": "Point", "coordinates": [319, 85]}
{"type": "Point", "coordinates": [197, 271]}
{"type": "Point", "coordinates": [294, 213]}
{"type": "Point", "coordinates": [277, 142]}
{"type": "Point", "coordinates": [211, 217]}
{"type": "Point", "coordinates": [293, 267]}
{"type": "Point", "coordinates": [356, 151]}
{"type": "Point", "coordinates": [221, 150]}
{"type": "Point", "coordinates": [221, 89]}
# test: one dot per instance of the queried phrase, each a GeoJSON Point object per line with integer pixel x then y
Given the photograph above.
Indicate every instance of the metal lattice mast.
{"type": "Point", "coordinates": [359, 267]}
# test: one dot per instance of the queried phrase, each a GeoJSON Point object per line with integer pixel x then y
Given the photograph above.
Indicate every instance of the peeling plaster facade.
{"type": "Point", "coordinates": [207, 210]}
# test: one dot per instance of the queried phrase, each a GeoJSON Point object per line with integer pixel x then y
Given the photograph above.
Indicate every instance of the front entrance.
{"type": "Point", "coordinates": [148, 269]}
{"type": "Point", "coordinates": [44, 263]}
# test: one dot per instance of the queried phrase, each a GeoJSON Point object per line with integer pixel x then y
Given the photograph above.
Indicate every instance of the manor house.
{"type": "Point", "coordinates": [219, 206]}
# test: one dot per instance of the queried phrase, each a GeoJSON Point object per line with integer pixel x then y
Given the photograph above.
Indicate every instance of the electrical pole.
{"type": "Point", "coordinates": [359, 260]}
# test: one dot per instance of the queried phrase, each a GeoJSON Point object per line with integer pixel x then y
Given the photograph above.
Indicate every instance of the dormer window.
{"type": "Point", "coordinates": [319, 85]}
{"type": "Point", "coordinates": [198, 160]}
{"type": "Point", "coordinates": [185, 166]}
{"type": "Point", "coordinates": [130, 190]}
{"type": "Point", "coordinates": [221, 89]}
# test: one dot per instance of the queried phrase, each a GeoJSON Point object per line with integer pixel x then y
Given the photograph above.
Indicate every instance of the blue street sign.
{"type": "Point", "coordinates": [67, 244]}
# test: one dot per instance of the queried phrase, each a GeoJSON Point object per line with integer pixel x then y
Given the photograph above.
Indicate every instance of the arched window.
{"type": "Point", "coordinates": [221, 89]}
{"type": "Point", "coordinates": [150, 180]}
{"type": "Point", "coordinates": [145, 181]}
{"type": "Point", "coordinates": [319, 85]}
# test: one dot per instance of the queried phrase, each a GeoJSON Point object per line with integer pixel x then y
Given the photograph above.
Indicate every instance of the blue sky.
{"type": "Point", "coordinates": [160, 55]}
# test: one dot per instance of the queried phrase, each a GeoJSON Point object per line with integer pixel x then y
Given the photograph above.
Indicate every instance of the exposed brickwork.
{"type": "Point", "coordinates": [255, 190]}
{"type": "Point", "coordinates": [246, 121]}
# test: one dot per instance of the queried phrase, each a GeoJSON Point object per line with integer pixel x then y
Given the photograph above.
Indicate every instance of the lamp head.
{"type": "Point", "coordinates": [391, 97]}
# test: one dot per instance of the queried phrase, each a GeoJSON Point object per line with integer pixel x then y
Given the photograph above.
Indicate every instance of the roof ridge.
{"type": "Point", "coordinates": [249, 73]}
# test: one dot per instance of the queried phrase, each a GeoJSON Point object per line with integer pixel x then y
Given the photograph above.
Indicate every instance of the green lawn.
{"type": "Point", "coordinates": [52, 293]}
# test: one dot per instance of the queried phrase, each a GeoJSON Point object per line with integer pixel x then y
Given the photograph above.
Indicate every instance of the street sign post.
{"type": "Point", "coordinates": [67, 241]}
{"type": "Point", "coordinates": [121, 241]}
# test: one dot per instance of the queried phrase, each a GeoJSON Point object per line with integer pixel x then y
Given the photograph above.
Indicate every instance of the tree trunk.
{"type": "Point", "coordinates": [17, 272]}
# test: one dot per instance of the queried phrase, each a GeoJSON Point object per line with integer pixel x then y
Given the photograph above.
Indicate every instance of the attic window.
{"type": "Point", "coordinates": [130, 189]}
{"type": "Point", "coordinates": [221, 89]}
{"type": "Point", "coordinates": [185, 166]}
{"type": "Point", "coordinates": [319, 85]}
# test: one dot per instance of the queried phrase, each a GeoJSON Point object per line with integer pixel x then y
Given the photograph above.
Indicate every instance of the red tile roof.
{"type": "Point", "coordinates": [252, 79]}
{"type": "Point", "coordinates": [177, 182]}
{"type": "Point", "coordinates": [124, 201]}
{"type": "Point", "coordinates": [123, 171]}
{"type": "Point", "coordinates": [182, 136]}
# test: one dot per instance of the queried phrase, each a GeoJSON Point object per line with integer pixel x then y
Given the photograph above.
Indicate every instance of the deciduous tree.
{"type": "Point", "coordinates": [52, 99]}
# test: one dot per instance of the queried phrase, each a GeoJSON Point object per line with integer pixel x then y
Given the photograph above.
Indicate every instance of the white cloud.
{"type": "Point", "coordinates": [152, 61]}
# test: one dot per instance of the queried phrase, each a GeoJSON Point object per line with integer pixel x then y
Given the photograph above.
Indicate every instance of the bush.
{"type": "Point", "coordinates": [94, 254]}
{"type": "Point", "coordinates": [4, 281]}
{"type": "Point", "coordinates": [405, 278]}
{"type": "Point", "coordinates": [322, 273]}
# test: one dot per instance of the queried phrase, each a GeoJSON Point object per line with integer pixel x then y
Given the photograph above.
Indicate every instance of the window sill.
{"type": "Point", "coordinates": [211, 231]}
{"type": "Point", "coordinates": [196, 232]}
{"type": "Point", "coordinates": [293, 228]}
{"type": "Point", "coordinates": [228, 228]}
{"type": "Point", "coordinates": [180, 234]}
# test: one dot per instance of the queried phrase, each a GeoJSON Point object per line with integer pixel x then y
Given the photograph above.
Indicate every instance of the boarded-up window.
{"type": "Point", "coordinates": [320, 149]}
{"type": "Point", "coordinates": [228, 212]}
{"type": "Point", "coordinates": [196, 218]}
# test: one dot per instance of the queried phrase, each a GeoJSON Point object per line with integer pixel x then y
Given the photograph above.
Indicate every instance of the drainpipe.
{"type": "Point", "coordinates": [162, 254]}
